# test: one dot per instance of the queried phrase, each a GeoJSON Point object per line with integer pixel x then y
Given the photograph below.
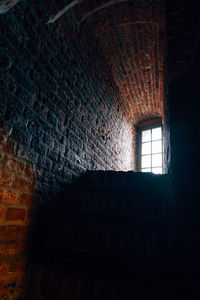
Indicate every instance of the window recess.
{"type": "Point", "coordinates": [150, 149]}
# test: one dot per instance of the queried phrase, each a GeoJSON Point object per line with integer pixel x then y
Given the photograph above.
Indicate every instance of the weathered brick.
{"type": "Point", "coordinates": [2, 247]}
{"type": "Point", "coordinates": [23, 184]}
{"type": "Point", "coordinates": [3, 268]}
{"type": "Point", "coordinates": [12, 248]}
{"type": "Point", "coordinates": [20, 136]}
{"type": "Point", "coordinates": [9, 147]}
{"type": "Point", "coordinates": [18, 265]}
{"type": "Point", "coordinates": [30, 171]}
{"type": "Point", "coordinates": [7, 287]}
{"type": "Point", "coordinates": [15, 214]}
{"type": "Point", "coordinates": [12, 232]}
{"type": "Point", "coordinates": [8, 197]}
{"type": "Point", "coordinates": [5, 179]}
{"type": "Point", "coordinates": [2, 210]}
{"type": "Point", "coordinates": [27, 199]}
{"type": "Point", "coordinates": [14, 165]}
{"type": "Point", "coordinates": [81, 106]}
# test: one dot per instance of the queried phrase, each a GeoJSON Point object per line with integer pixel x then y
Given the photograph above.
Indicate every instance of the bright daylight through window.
{"type": "Point", "coordinates": [151, 150]}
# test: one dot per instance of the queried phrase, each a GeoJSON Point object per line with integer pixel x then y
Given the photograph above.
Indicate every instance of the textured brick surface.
{"type": "Point", "coordinates": [62, 105]}
{"type": "Point", "coordinates": [7, 197]}
{"type": "Point", "coordinates": [12, 232]}
{"type": "Point", "coordinates": [5, 179]}
{"type": "Point", "coordinates": [14, 214]}
{"type": "Point", "coordinates": [16, 178]}
{"type": "Point", "coordinates": [61, 113]}
{"type": "Point", "coordinates": [70, 95]}
{"type": "Point", "coordinates": [131, 34]}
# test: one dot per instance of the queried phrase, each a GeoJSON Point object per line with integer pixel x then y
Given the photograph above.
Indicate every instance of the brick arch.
{"type": "Point", "coordinates": [131, 37]}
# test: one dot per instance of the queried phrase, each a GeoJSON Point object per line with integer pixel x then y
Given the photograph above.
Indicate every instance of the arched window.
{"type": "Point", "coordinates": [150, 148]}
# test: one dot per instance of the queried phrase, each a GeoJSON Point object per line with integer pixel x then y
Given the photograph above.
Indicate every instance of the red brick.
{"type": "Point", "coordinates": [2, 246]}
{"type": "Point", "coordinates": [2, 209]}
{"type": "Point", "coordinates": [8, 197]}
{"type": "Point", "coordinates": [19, 265]}
{"type": "Point", "coordinates": [12, 232]}
{"type": "Point", "coordinates": [22, 185]}
{"type": "Point", "coordinates": [15, 214]}
{"type": "Point", "coordinates": [5, 179]}
{"type": "Point", "coordinates": [9, 147]}
{"type": "Point", "coordinates": [12, 248]}
{"type": "Point", "coordinates": [30, 171]}
{"type": "Point", "coordinates": [3, 268]}
{"type": "Point", "coordinates": [11, 165]}
{"type": "Point", "coordinates": [7, 288]}
{"type": "Point", "coordinates": [15, 165]}
{"type": "Point", "coordinates": [26, 199]}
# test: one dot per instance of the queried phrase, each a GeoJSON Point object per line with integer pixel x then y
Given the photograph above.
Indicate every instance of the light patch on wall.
{"type": "Point", "coordinates": [127, 145]}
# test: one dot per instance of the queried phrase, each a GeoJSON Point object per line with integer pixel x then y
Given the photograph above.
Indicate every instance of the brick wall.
{"type": "Point", "coordinates": [61, 114]}
{"type": "Point", "coordinates": [17, 184]}
{"type": "Point", "coordinates": [132, 38]}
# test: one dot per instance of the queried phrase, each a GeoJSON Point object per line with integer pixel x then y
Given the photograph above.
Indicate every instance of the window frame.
{"type": "Point", "coordinates": [140, 129]}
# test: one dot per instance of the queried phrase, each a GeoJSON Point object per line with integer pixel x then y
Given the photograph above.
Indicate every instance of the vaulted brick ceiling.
{"type": "Point", "coordinates": [131, 36]}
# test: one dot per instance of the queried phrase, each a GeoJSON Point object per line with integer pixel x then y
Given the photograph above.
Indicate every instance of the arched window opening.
{"type": "Point", "coordinates": [150, 147]}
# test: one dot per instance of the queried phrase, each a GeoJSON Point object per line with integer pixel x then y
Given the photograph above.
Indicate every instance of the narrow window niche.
{"type": "Point", "coordinates": [150, 148]}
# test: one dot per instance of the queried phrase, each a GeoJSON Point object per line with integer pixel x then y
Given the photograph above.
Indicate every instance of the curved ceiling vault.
{"type": "Point", "coordinates": [131, 36]}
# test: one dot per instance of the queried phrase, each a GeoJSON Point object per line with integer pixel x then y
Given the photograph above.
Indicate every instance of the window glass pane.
{"type": "Point", "coordinates": [157, 170]}
{"type": "Point", "coordinates": [146, 161]}
{"type": "Point", "coordinates": [146, 148]}
{"type": "Point", "coordinates": [156, 133]}
{"type": "Point", "coordinates": [146, 135]}
{"type": "Point", "coordinates": [157, 160]}
{"type": "Point", "coordinates": [157, 147]}
{"type": "Point", "coordinates": [146, 170]}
